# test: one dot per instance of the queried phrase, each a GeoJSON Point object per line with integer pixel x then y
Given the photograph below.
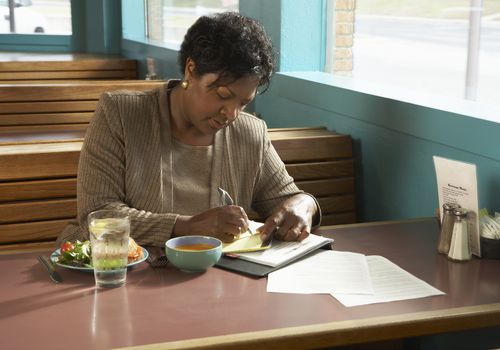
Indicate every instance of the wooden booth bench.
{"type": "Point", "coordinates": [57, 111]}
{"type": "Point", "coordinates": [41, 134]}
{"type": "Point", "coordinates": [39, 67]}
{"type": "Point", "coordinates": [38, 180]}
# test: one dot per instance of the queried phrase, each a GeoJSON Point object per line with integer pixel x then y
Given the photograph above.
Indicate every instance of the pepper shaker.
{"type": "Point", "coordinates": [446, 227]}
{"type": "Point", "coordinates": [459, 247]}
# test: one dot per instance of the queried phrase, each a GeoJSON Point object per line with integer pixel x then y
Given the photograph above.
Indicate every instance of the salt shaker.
{"type": "Point", "coordinates": [459, 247]}
{"type": "Point", "coordinates": [446, 227]}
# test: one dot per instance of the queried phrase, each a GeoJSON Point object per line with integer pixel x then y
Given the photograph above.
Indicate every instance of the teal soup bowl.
{"type": "Point", "coordinates": [193, 253]}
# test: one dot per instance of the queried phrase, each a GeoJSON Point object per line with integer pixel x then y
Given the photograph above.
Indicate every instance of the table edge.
{"type": "Point", "coordinates": [347, 332]}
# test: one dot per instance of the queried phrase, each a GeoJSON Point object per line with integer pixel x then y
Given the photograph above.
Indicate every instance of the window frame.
{"type": "Point", "coordinates": [88, 18]}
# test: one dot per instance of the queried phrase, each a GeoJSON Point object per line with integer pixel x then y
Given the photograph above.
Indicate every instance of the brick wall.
{"type": "Point", "coordinates": [155, 20]}
{"type": "Point", "coordinates": [344, 32]}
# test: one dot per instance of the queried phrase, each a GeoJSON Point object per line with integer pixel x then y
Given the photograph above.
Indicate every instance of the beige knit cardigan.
{"type": "Point", "coordinates": [126, 164]}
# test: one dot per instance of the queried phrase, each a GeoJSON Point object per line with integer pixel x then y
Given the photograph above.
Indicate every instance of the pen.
{"type": "Point", "coordinates": [225, 197]}
{"type": "Point", "coordinates": [227, 200]}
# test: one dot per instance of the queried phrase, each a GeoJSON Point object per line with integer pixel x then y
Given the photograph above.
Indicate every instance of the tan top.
{"type": "Point", "coordinates": [126, 161]}
{"type": "Point", "coordinates": [191, 165]}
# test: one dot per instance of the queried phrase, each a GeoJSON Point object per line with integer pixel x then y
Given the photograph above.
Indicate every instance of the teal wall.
{"type": "Point", "coordinates": [302, 35]}
{"type": "Point", "coordinates": [394, 142]}
{"type": "Point", "coordinates": [296, 28]}
{"type": "Point", "coordinates": [133, 26]}
{"type": "Point", "coordinates": [102, 25]}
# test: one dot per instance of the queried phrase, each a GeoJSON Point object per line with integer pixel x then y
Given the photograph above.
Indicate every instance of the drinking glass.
{"type": "Point", "coordinates": [109, 234]}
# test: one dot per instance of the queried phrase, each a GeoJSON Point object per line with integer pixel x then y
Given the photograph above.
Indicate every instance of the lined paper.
{"type": "Point", "coordinates": [324, 272]}
{"type": "Point", "coordinates": [390, 283]}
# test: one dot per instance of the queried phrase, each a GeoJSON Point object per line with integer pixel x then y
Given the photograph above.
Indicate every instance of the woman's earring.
{"type": "Point", "coordinates": [184, 84]}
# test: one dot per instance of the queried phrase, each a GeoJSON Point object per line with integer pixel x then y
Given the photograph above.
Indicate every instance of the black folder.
{"type": "Point", "coordinates": [245, 267]}
{"type": "Point", "coordinates": [253, 269]}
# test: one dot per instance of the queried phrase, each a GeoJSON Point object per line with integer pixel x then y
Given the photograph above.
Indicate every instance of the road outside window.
{"type": "Point", "coordinates": [444, 48]}
{"type": "Point", "coordinates": [35, 17]}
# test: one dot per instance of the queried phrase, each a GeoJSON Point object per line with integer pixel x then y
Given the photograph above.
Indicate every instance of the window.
{"type": "Point", "coordinates": [445, 48]}
{"type": "Point", "coordinates": [32, 16]}
{"type": "Point", "coordinates": [168, 20]}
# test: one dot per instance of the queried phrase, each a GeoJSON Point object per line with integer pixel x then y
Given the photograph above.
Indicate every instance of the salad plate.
{"type": "Point", "coordinates": [57, 252]}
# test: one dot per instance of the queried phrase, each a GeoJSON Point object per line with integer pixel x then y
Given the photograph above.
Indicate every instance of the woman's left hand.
{"type": "Point", "coordinates": [293, 219]}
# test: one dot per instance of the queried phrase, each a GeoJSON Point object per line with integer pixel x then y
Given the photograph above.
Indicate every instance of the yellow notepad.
{"type": "Point", "coordinates": [249, 241]}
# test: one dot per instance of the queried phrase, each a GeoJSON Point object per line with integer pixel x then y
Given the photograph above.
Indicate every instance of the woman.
{"type": "Point", "coordinates": [161, 155]}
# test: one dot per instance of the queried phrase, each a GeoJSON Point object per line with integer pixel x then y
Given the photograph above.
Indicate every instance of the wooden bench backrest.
{"type": "Point", "coordinates": [60, 111]}
{"type": "Point", "coordinates": [38, 180]}
{"type": "Point", "coordinates": [17, 66]}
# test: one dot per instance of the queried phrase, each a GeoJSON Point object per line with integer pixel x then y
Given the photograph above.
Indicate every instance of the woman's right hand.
{"type": "Point", "coordinates": [225, 223]}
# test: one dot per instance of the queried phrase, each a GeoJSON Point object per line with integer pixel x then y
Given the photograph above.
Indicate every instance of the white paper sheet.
{"type": "Point", "coordinates": [457, 183]}
{"type": "Point", "coordinates": [390, 283]}
{"type": "Point", "coordinates": [323, 272]}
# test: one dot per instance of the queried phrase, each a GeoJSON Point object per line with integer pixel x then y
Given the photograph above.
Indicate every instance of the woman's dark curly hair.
{"type": "Point", "coordinates": [231, 45]}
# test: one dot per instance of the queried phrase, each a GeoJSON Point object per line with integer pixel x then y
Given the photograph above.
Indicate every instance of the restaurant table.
{"type": "Point", "coordinates": [164, 308]}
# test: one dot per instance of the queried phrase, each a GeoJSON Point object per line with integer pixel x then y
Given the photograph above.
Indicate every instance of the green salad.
{"type": "Point", "coordinates": [76, 254]}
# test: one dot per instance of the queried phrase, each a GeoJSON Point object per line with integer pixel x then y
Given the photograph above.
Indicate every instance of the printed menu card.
{"type": "Point", "coordinates": [457, 183]}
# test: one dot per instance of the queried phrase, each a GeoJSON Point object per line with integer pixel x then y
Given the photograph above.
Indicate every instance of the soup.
{"type": "Point", "coordinates": [195, 246]}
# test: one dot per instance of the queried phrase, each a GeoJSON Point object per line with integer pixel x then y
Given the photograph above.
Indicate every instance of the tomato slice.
{"type": "Point", "coordinates": [67, 247]}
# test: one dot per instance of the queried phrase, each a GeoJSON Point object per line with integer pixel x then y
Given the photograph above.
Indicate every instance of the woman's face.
{"type": "Point", "coordinates": [211, 108]}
